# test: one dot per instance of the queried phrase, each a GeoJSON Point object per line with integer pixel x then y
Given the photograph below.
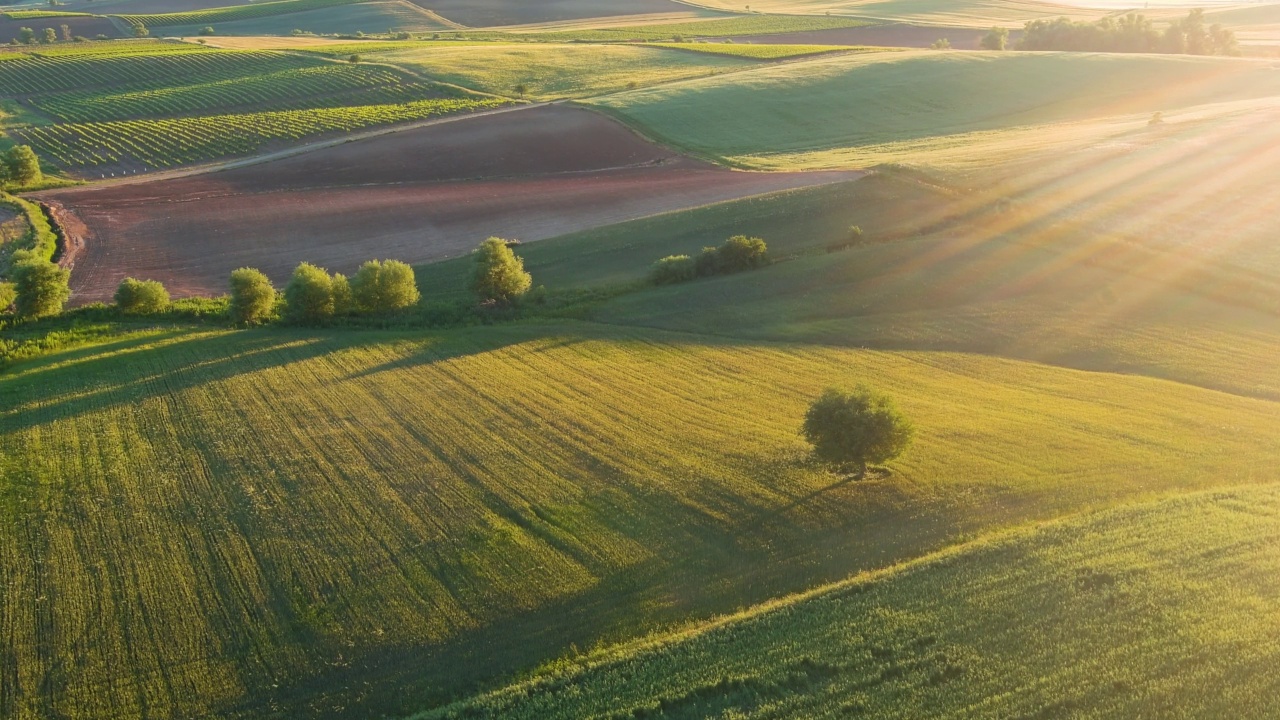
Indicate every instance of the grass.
{"type": "Point", "coordinates": [761, 52]}
{"type": "Point", "coordinates": [860, 110]}
{"type": "Point", "coordinates": [710, 28]}
{"type": "Point", "coordinates": [1153, 609]}
{"type": "Point", "coordinates": [554, 71]}
{"type": "Point", "coordinates": [426, 528]}
{"type": "Point", "coordinates": [372, 17]}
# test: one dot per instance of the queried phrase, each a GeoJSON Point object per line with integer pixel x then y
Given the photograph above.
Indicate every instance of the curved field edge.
{"type": "Point", "coordinates": [1145, 609]}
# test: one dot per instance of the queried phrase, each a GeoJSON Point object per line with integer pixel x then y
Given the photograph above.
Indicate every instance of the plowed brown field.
{"type": "Point", "coordinates": [418, 196]}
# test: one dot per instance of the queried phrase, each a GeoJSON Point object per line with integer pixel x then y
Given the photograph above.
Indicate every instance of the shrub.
{"type": "Point", "coordinates": [344, 303]}
{"type": "Point", "coordinates": [850, 430]}
{"type": "Point", "coordinates": [740, 253]}
{"type": "Point", "coordinates": [308, 297]}
{"type": "Point", "coordinates": [382, 287]}
{"type": "Point", "coordinates": [941, 44]}
{"type": "Point", "coordinates": [23, 166]}
{"type": "Point", "coordinates": [498, 274]}
{"type": "Point", "coordinates": [252, 297]}
{"type": "Point", "coordinates": [852, 239]}
{"type": "Point", "coordinates": [140, 31]}
{"type": "Point", "coordinates": [207, 30]}
{"type": "Point", "coordinates": [42, 288]}
{"type": "Point", "coordinates": [673, 269]}
{"type": "Point", "coordinates": [141, 297]}
{"type": "Point", "coordinates": [997, 38]}
{"type": "Point", "coordinates": [708, 262]}
{"type": "Point", "coordinates": [8, 293]}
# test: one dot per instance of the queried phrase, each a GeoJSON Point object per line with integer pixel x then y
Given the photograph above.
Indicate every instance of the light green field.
{"type": "Point", "coordinates": [369, 17]}
{"type": "Point", "coordinates": [555, 71]}
{"type": "Point", "coordinates": [1161, 610]}
{"type": "Point", "coordinates": [859, 110]}
{"type": "Point", "coordinates": [969, 13]}
{"type": "Point", "coordinates": [761, 52]}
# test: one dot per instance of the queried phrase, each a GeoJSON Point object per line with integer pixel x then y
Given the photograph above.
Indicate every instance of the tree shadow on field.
{"type": "Point", "coordinates": [152, 367]}
{"type": "Point", "coordinates": [451, 345]}
{"type": "Point", "coordinates": [700, 565]}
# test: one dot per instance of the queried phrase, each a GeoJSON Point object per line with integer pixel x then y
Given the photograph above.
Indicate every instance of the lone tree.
{"type": "Point", "coordinates": [309, 295]}
{"type": "Point", "coordinates": [141, 297]}
{"type": "Point", "coordinates": [997, 38]}
{"type": "Point", "coordinates": [383, 287]}
{"type": "Point", "coordinates": [850, 430]}
{"type": "Point", "coordinates": [42, 288]}
{"type": "Point", "coordinates": [22, 165]}
{"type": "Point", "coordinates": [499, 274]}
{"type": "Point", "coordinates": [252, 297]}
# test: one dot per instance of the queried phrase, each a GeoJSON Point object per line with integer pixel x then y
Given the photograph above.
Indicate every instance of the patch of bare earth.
{"type": "Point", "coordinates": [418, 196]}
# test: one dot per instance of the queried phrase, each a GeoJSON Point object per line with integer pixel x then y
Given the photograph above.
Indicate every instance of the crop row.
{"type": "Point", "coordinates": [35, 75]}
{"type": "Point", "coordinates": [294, 88]}
{"type": "Point", "coordinates": [167, 142]}
{"type": "Point", "coordinates": [119, 48]}
{"type": "Point", "coordinates": [235, 12]}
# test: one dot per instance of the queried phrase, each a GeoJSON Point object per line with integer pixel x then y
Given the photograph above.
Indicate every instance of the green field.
{"type": "Point", "coordinates": [590, 516]}
{"type": "Point", "coordinates": [108, 106]}
{"type": "Point", "coordinates": [865, 109]}
{"type": "Point", "coordinates": [230, 13]}
{"type": "Point", "coordinates": [1102, 616]}
{"type": "Point", "coordinates": [969, 13]}
{"type": "Point", "coordinates": [554, 71]}
{"type": "Point", "coordinates": [760, 52]}
{"type": "Point", "coordinates": [859, 110]}
{"type": "Point", "coordinates": [369, 17]}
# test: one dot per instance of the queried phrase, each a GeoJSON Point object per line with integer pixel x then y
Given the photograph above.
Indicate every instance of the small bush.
{"type": "Point", "coordinates": [253, 299]}
{"type": "Point", "coordinates": [141, 297]}
{"type": "Point", "coordinates": [740, 253]}
{"type": "Point", "coordinates": [206, 30]}
{"type": "Point", "coordinates": [851, 239]}
{"type": "Point", "coordinates": [997, 38]}
{"type": "Point", "coordinates": [309, 295]}
{"type": "Point", "coordinates": [498, 274]}
{"type": "Point", "coordinates": [383, 287]}
{"type": "Point", "coordinates": [941, 44]}
{"type": "Point", "coordinates": [673, 269]}
{"type": "Point", "coordinates": [41, 287]}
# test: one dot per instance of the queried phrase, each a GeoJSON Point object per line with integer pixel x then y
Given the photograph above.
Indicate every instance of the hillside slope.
{"type": "Point", "coordinates": [1162, 610]}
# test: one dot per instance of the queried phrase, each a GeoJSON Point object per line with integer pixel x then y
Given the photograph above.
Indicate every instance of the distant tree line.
{"type": "Point", "coordinates": [1129, 33]}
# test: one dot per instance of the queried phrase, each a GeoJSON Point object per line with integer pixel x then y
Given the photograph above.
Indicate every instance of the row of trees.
{"type": "Point", "coordinates": [27, 36]}
{"type": "Point", "coordinates": [19, 167]}
{"type": "Point", "coordinates": [1129, 33]}
{"type": "Point", "coordinates": [736, 254]}
{"type": "Point", "coordinates": [314, 296]}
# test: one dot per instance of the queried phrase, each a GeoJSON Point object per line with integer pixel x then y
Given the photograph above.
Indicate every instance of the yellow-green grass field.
{"type": "Point", "coordinates": [550, 71]}
{"type": "Point", "coordinates": [342, 524]}
{"type": "Point", "coordinates": [1160, 610]}
{"type": "Point", "coordinates": [934, 108]}
{"type": "Point", "coordinates": [761, 52]}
